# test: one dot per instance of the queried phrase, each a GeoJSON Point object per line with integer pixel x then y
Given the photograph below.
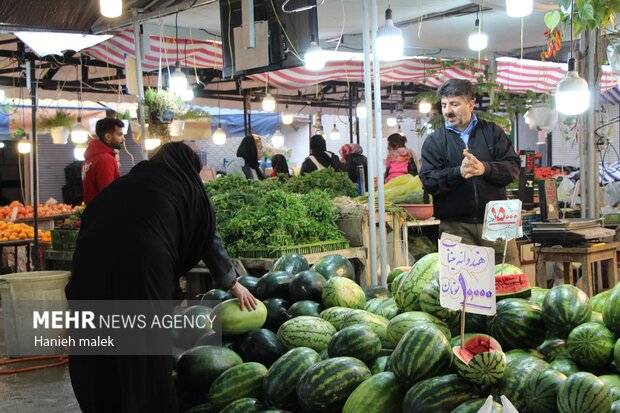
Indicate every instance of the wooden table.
{"type": "Point", "coordinates": [586, 255]}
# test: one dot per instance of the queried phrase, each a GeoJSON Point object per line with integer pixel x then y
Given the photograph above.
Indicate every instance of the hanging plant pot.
{"type": "Point", "coordinates": [542, 117]}
{"type": "Point", "coordinates": [60, 135]}
{"type": "Point", "coordinates": [176, 129]}
{"type": "Point", "coordinates": [162, 116]}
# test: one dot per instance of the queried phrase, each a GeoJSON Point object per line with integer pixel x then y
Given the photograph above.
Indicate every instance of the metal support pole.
{"type": "Point", "coordinates": [350, 112]}
{"type": "Point", "coordinates": [140, 80]}
{"type": "Point", "coordinates": [369, 142]}
{"type": "Point", "coordinates": [246, 105]}
{"type": "Point", "coordinates": [35, 167]}
{"type": "Point", "coordinates": [593, 70]}
{"type": "Point", "coordinates": [379, 144]}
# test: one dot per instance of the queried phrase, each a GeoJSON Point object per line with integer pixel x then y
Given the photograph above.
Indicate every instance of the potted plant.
{"type": "Point", "coordinates": [59, 125]}
{"type": "Point", "coordinates": [197, 124]}
{"type": "Point", "coordinates": [161, 106]}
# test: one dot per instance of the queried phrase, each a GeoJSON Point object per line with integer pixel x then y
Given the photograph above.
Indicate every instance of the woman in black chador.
{"type": "Point", "coordinates": [137, 237]}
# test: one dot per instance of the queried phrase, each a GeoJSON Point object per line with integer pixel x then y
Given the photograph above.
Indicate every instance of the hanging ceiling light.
{"type": "Point", "coordinates": [334, 134]}
{"type": "Point", "coordinates": [269, 103]}
{"type": "Point", "coordinates": [360, 110]}
{"type": "Point", "coordinates": [572, 95]}
{"type": "Point", "coordinates": [424, 106]}
{"type": "Point", "coordinates": [277, 139]}
{"type": "Point", "coordinates": [287, 117]}
{"type": "Point", "coordinates": [111, 8]}
{"type": "Point", "coordinates": [219, 136]}
{"type": "Point", "coordinates": [391, 121]}
{"type": "Point", "coordinates": [178, 81]}
{"type": "Point", "coordinates": [519, 8]}
{"type": "Point", "coordinates": [314, 58]}
{"type": "Point", "coordinates": [1, 145]}
{"type": "Point", "coordinates": [389, 44]}
{"type": "Point", "coordinates": [477, 39]}
{"type": "Point", "coordinates": [151, 143]}
{"type": "Point", "coordinates": [79, 134]}
{"type": "Point", "coordinates": [78, 152]}
{"type": "Point", "coordinates": [24, 146]}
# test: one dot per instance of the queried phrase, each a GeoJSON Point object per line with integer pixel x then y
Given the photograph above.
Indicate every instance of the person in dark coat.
{"type": "Point", "coordinates": [352, 157]}
{"type": "Point", "coordinates": [279, 166]}
{"type": "Point", "coordinates": [320, 157]}
{"type": "Point", "coordinates": [137, 237]}
{"type": "Point", "coordinates": [250, 150]}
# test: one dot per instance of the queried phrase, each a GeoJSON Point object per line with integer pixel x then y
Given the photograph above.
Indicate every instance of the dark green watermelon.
{"type": "Point", "coordinates": [564, 308]}
{"type": "Point", "coordinates": [552, 347]}
{"type": "Point", "coordinates": [307, 285]}
{"type": "Point", "coordinates": [584, 393]}
{"type": "Point", "coordinates": [591, 345]}
{"type": "Point", "coordinates": [291, 263]}
{"type": "Point", "coordinates": [249, 282]}
{"type": "Point", "coordinates": [334, 265]}
{"type": "Point", "coordinates": [565, 366]}
{"type": "Point", "coordinates": [517, 324]}
{"type": "Point", "coordinates": [274, 285]}
{"type": "Point", "coordinates": [188, 336]}
{"type": "Point", "coordinates": [276, 313]}
{"type": "Point", "coordinates": [261, 346]}
{"type": "Point", "coordinates": [305, 307]}
{"type": "Point", "coordinates": [439, 394]}
{"type": "Point", "coordinates": [378, 364]}
{"type": "Point", "coordinates": [516, 378]}
{"type": "Point", "coordinates": [215, 295]}
{"type": "Point", "coordinates": [198, 367]}
{"type": "Point", "coordinates": [542, 391]}
{"type": "Point", "coordinates": [476, 323]}
{"type": "Point", "coordinates": [356, 341]}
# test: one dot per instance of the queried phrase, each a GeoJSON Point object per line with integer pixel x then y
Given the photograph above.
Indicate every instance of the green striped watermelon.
{"type": "Point", "coordinates": [203, 408]}
{"type": "Point", "coordinates": [598, 301]}
{"type": "Point", "coordinates": [511, 282]}
{"type": "Point", "coordinates": [584, 393]}
{"type": "Point", "coordinates": [552, 348]}
{"type": "Point", "coordinates": [393, 274]}
{"type": "Point", "coordinates": [285, 373]}
{"type": "Point", "coordinates": [396, 283]}
{"type": "Point", "coordinates": [542, 391]}
{"type": "Point", "coordinates": [517, 324]}
{"type": "Point", "coordinates": [336, 315]}
{"type": "Point", "coordinates": [306, 331]}
{"type": "Point", "coordinates": [429, 302]}
{"type": "Point", "coordinates": [376, 291]}
{"type": "Point", "coordinates": [538, 296]}
{"type": "Point", "coordinates": [473, 406]}
{"type": "Point", "coordinates": [613, 382]}
{"type": "Point", "coordinates": [591, 345]}
{"type": "Point", "coordinates": [356, 341]}
{"type": "Point", "coordinates": [376, 323]}
{"type": "Point", "coordinates": [611, 313]}
{"type": "Point", "coordinates": [565, 366]}
{"type": "Point", "coordinates": [404, 322]}
{"type": "Point", "coordinates": [422, 352]}
{"type": "Point", "coordinates": [325, 386]}
{"type": "Point", "coordinates": [518, 374]}
{"type": "Point", "coordinates": [481, 361]}
{"type": "Point", "coordinates": [380, 393]}
{"type": "Point", "coordinates": [520, 353]}
{"type": "Point", "coordinates": [236, 322]}
{"type": "Point", "coordinates": [244, 380]}
{"type": "Point", "coordinates": [382, 306]}
{"type": "Point", "coordinates": [343, 292]}
{"type": "Point", "coordinates": [564, 308]}
{"type": "Point", "coordinates": [476, 323]}
{"type": "Point", "coordinates": [439, 394]}
{"type": "Point", "coordinates": [617, 354]}
{"type": "Point", "coordinates": [245, 405]}
{"type": "Point", "coordinates": [378, 365]}
{"type": "Point", "coordinates": [199, 366]}
{"type": "Point", "coordinates": [304, 307]}
{"type": "Point", "coordinates": [423, 271]}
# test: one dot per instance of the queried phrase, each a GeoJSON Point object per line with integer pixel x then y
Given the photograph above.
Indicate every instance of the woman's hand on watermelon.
{"type": "Point", "coordinates": [246, 299]}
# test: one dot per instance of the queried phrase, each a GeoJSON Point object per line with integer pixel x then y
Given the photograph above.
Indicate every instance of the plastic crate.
{"type": "Point", "coordinates": [526, 222]}
{"type": "Point", "coordinates": [64, 239]}
{"type": "Point", "coordinates": [293, 249]}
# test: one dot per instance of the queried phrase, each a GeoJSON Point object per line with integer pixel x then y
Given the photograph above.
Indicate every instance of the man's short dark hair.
{"type": "Point", "coordinates": [457, 87]}
{"type": "Point", "coordinates": [106, 125]}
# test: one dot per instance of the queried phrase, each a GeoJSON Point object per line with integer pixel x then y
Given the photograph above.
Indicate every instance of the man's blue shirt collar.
{"type": "Point", "coordinates": [472, 124]}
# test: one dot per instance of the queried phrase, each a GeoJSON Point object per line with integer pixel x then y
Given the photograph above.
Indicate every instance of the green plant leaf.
{"type": "Point", "coordinates": [552, 19]}
{"type": "Point", "coordinates": [586, 12]}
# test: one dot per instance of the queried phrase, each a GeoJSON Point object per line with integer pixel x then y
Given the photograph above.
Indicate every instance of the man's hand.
{"type": "Point", "coordinates": [246, 299]}
{"type": "Point", "coordinates": [471, 166]}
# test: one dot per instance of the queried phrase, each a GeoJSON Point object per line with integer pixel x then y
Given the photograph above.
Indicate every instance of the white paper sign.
{"type": "Point", "coordinates": [466, 273]}
{"type": "Point", "coordinates": [502, 220]}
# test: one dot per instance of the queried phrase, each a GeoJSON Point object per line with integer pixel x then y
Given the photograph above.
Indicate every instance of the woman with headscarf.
{"type": "Point", "coordinates": [320, 157]}
{"type": "Point", "coordinates": [352, 158]}
{"type": "Point", "coordinates": [250, 150]}
{"type": "Point", "coordinates": [279, 166]}
{"type": "Point", "coordinates": [137, 237]}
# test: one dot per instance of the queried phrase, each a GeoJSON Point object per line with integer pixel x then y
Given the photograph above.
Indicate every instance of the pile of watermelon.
{"type": "Point", "coordinates": [319, 342]}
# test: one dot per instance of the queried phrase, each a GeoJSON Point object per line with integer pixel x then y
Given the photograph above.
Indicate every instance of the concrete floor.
{"type": "Point", "coordinates": [47, 390]}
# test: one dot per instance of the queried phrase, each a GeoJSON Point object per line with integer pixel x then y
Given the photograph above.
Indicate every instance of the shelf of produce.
{"type": "Point", "coordinates": [359, 256]}
{"type": "Point", "coordinates": [45, 223]}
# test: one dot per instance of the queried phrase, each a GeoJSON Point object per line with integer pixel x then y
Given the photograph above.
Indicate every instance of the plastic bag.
{"type": "Point", "coordinates": [612, 194]}
{"type": "Point", "coordinates": [565, 190]}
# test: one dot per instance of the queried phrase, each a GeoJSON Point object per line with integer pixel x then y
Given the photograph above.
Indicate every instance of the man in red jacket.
{"type": "Point", "coordinates": [100, 167]}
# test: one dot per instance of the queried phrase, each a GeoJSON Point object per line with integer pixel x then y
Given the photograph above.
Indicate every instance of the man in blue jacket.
{"type": "Point", "coordinates": [465, 164]}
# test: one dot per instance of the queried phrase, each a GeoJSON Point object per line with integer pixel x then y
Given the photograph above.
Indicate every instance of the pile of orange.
{"type": "Point", "coordinates": [27, 211]}
{"type": "Point", "coordinates": [11, 231]}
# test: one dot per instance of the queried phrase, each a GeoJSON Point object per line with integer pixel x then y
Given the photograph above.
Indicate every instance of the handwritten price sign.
{"type": "Point", "coordinates": [502, 220]}
{"type": "Point", "coordinates": [466, 275]}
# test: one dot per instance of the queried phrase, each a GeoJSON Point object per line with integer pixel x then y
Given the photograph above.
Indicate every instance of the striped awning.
{"type": "Point", "coordinates": [516, 75]}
